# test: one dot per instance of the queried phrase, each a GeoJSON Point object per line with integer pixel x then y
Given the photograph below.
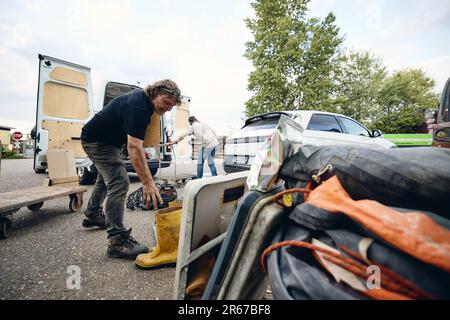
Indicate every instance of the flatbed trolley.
{"type": "Point", "coordinates": [33, 198]}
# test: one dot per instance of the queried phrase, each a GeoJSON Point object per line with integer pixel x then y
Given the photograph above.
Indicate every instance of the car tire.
{"type": "Point", "coordinates": [5, 228]}
{"type": "Point", "coordinates": [39, 171]}
{"type": "Point", "coordinates": [153, 171]}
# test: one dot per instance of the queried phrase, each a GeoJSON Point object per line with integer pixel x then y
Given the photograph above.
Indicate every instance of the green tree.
{"type": "Point", "coordinates": [402, 101]}
{"type": "Point", "coordinates": [295, 58]}
{"type": "Point", "coordinates": [358, 84]}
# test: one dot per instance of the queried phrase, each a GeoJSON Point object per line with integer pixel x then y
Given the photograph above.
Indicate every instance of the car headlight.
{"type": "Point", "coordinates": [442, 134]}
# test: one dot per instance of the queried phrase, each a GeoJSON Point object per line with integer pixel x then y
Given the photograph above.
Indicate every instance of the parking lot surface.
{"type": "Point", "coordinates": [45, 247]}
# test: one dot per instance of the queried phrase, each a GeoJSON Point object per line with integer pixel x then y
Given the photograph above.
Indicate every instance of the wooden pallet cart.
{"type": "Point", "coordinates": [62, 182]}
{"type": "Point", "coordinates": [33, 198]}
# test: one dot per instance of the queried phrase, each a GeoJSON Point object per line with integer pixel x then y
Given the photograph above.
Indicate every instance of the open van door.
{"type": "Point", "coordinates": [64, 105]}
{"type": "Point", "coordinates": [180, 115]}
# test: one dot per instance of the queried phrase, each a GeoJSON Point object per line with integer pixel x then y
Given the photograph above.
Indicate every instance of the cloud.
{"type": "Point", "coordinates": [19, 124]}
{"type": "Point", "coordinates": [216, 75]}
{"type": "Point", "coordinates": [201, 46]}
{"type": "Point", "coordinates": [318, 5]}
{"type": "Point", "coordinates": [18, 87]}
{"type": "Point", "coordinates": [127, 42]}
{"type": "Point", "coordinates": [412, 34]}
{"type": "Point", "coordinates": [371, 11]}
{"type": "Point", "coordinates": [438, 68]}
{"type": "Point", "coordinates": [420, 17]}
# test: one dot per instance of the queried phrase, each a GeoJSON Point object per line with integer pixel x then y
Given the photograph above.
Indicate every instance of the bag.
{"type": "Point", "coordinates": [410, 248]}
{"type": "Point", "coordinates": [360, 210]}
{"type": "Point", "coordinates": [415, 178]}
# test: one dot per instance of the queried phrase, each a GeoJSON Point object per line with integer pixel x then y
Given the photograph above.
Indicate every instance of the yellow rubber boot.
{"type": "Point", "coordinates": [167, 233]}
{"type": "Point", "coordinates": [174, 204]}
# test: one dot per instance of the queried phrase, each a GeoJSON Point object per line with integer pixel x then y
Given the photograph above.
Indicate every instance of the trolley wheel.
{"type": "Point", "coordinates": [35, 207]}
{"type": "Point", "coordinates": [5, 228]}
{"type": "Point", "coordinates": [75, 203]}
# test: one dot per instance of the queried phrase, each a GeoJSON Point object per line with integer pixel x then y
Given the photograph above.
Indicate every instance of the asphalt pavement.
{"type": "Point", "coordinates": [48, 248]}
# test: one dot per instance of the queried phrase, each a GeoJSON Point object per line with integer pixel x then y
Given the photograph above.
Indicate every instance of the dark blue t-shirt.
{"type": "Point", "coordinates": [128, 114]}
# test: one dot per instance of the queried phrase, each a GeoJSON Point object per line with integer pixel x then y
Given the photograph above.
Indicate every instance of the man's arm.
{"type": "Point", "coordinates": [137, 156]}
{"type": "Point", "coordinates": [214, 133]}
{"type": "Point", "coordinates": [184, 135]}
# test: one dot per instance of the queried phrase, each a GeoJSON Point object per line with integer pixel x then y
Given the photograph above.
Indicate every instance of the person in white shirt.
{"type": "Point", "coordinates": [208, 138]}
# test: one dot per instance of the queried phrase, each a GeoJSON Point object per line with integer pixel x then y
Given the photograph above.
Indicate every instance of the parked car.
{"type": "Point", "coordinates": [321, 128]}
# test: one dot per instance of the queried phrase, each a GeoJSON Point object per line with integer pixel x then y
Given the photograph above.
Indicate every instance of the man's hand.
{"type": "Point", "coordinates": [171, 143]}
{"type": "Point", "coordinates": [151, 193]}
{"type": "Point", "coordinates": [137, 157]}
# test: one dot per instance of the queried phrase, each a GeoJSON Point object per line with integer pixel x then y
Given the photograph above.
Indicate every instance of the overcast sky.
{"type": "Point", "coordinates": [197, 43]}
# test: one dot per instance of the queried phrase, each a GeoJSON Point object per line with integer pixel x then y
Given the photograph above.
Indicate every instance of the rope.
{"type": "Point", "coordinates": [135, 199]}
{"type": "Point", "coordinates": [389, 280]}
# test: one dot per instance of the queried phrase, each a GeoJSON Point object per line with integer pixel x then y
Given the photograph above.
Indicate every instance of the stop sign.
{"type": "Point", "coordinates": [17, 135]}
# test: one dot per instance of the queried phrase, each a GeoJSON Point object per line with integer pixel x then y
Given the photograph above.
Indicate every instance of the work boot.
{"type": "Point", "coordinates": [168, 232]}
{"type": "Point", "coordinates": [97, 220]}
{"type": "Point", "coordinates": [123, 245]}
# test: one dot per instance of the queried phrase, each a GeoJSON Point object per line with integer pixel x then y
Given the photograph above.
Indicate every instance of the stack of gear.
{"type": "Point", "coordinates": [167, 235]}
{"type": "Point", "coordinates": [167, 191]}
{"type": "Point", "coordinates": [363, 224]}
{"type": "Point", "coordinates": [237, 274]}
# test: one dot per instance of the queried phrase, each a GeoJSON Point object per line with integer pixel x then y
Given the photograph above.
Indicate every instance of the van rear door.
{"type": "Point", "coordinates": [64, 105]}
{"type": "Point", "coordinates": [177, 125]}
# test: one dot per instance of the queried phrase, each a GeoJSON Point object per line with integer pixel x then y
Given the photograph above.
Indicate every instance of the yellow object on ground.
{"type": "Point", "coordinates": [177, 203]}
{"type": "Point", "coordinates": [202, 269]}
{"type": "Point", "coordinates": [167, 233]}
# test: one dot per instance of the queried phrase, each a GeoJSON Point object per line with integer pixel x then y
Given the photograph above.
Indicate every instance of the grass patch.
{"type": "Point", "coordinates": [11, 155]}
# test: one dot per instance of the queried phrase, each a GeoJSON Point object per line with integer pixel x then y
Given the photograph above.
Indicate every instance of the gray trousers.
{"type": "Point", "coordinates": [112, 184]}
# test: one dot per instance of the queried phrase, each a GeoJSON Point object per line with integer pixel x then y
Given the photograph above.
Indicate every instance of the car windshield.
{"type": "Point", "coordinates": [265, 123]}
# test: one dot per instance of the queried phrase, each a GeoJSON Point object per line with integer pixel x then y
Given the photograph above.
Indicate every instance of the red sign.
{"type": "Point", "coordinates": [17, 135]}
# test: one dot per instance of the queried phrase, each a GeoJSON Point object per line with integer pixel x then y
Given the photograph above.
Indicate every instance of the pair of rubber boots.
{"type": "Point", "coordinates": [167, 234]}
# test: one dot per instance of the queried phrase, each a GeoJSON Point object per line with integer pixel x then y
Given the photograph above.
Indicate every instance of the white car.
{"type": "Point", "coordinates": [321, 128]}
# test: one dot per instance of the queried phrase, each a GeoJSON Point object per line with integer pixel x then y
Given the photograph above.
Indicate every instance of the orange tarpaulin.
{"type": "Point", "coordinates": [412, 232]}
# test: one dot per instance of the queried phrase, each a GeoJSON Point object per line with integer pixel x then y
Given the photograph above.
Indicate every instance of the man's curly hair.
{"type": "Point", "coordinates": [167, 87]}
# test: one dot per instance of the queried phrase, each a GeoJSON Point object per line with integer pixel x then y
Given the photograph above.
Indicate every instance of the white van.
{"type": "Point", "coordinates": [321, 128]}
{"type": "Point", "coordinates": [65, 104]}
